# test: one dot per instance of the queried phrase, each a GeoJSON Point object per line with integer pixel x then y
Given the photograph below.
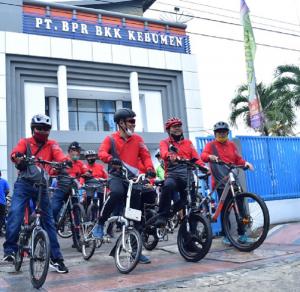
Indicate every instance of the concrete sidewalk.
{"type": "Point", "coordinates": [167, 269]}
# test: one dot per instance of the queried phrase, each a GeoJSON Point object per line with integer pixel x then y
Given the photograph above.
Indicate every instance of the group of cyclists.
{"type": "Point", "coordinates": [122, 149]}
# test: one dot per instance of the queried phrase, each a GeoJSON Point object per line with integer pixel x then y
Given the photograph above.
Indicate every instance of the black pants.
{"type": "Point", "coordinates": [171, 185]}
{"type": "Point", "coordinates": [118, 190]}
{"type": "Point", "coordinates": [2, 216]}
{"type": "Point", "coordinates": [241, 229]}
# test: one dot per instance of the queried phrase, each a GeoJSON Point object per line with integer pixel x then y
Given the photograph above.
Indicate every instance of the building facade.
{"type": "Point", "coordinates": [79, 65]}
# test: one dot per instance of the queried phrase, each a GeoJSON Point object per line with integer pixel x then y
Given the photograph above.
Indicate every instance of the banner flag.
{"type": "Point", "coordinates": [256, 115]}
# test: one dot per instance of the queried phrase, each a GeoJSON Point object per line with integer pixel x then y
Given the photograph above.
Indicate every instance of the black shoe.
{"type": "Point", "coordinates": [9, 257]}
{"type": "Point", "coordinates": [58, 266]}
{"type": "Point", "coordinates": [160, 221]}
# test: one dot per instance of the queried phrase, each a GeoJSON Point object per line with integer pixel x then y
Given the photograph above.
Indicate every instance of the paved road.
{"type": "Point", "coordinates": [275, 266]}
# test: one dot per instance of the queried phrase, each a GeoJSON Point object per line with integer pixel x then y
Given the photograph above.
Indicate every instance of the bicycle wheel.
{"type": "Point", "coordinates": [92, 212]}
{"type": "Point", "coordinates": [246, 222]}
{"type": "Point", "coordinates": [88, 243]}
{"type": "Point", "coordinates": [77, 222]}
{"type": "Point", "coordinates": [64, 229]}
{"type": "Point", "coordinates": [149, 238]}
{"type": "Point", "coordinates": [174, 221]}
{"type": "Point", "coordinates": [19, 258]}
{"type": "Point", "coordinates": [194, 238]}
{"type": "Point", "coordinates": [127, 257]}
{"type": "Point", "coordinates": [39, 258]}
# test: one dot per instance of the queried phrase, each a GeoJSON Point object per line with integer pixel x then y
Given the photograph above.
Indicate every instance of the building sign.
{"type": "Point", "coordinates": [102, 28]}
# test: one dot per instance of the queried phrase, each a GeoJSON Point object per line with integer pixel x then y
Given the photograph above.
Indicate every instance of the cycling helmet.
{"type": "Point", "coordinates": [122, 114]}
{"type": "Point", "coordinates": [221, 126]}
{"type": "Point", "coordinates": [89, 153]}
{"type": "Point", "coordinates": [40, 120]}
{"type": "Point", "coordinates": [74, 146]}
{"type": "Point", "coordinates": [173, 122]}
{"type": "Point", "coordinates": [157, 153]}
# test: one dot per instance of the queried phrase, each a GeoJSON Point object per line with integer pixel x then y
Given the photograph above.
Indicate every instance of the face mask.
{"type": "Point", "coordinates": [91, 161]}
{"type": "Point", "coordinates": [40, 137]}
{"type": "Point", "coordinates": [221, 139]}
{"type": "Point", "coordinates": [75, 157]}
{"type": "Point", "coordinates": [177, 137]}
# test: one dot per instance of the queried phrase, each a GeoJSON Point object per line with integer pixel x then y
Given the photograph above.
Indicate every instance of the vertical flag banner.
{"type": "Point", "coordinates": [256, 115]}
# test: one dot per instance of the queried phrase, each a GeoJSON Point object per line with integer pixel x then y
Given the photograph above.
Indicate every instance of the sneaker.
{"type": "Point", "coordinates": [144, 260]}
{"type": "Point", "coordinates": [160, 221]}
{"type": "Point", "coordinates": [245, 239]}
{"type": "Point", "coordinates": [226, 241]}
{"type": "Point", "coordinates": [98, 232]}
{"type": "Point", "coordinates": [58, 266]}
{"type": "Point", "coordinates": [9, 257]}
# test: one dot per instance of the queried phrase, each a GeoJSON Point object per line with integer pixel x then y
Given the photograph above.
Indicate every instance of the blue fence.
{"type": "Point", "coordinates": [277, 169]}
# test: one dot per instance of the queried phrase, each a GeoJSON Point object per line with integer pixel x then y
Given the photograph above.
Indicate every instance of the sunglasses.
{"type": "Point", "coordinates": [131, 121]}
{"type": "Point", "coordinates": [42, 128]}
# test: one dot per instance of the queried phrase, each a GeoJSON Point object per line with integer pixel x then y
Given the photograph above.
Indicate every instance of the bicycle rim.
{"type": "Point", "coordinates": [89, 244]}
{"type": "Point", "coordinates": [247, 227]}
{"type": "Point", "coordinates": [127, 257]}
{"type": "Point", "coordinates": [64, 229]}
{"type": "Point", "coordinates": [194, 244]}
{"type": "Point", "coordinates": [39, 258]}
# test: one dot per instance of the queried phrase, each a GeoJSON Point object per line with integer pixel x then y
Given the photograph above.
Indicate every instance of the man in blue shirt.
{"type": "Point", "coordinates": [4, 190]}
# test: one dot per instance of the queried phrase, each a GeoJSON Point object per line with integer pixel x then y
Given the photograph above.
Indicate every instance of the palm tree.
{"type": "Point", "coordinates": [288, 83]}
{"type": "Point", "coordinates": [279, 117]}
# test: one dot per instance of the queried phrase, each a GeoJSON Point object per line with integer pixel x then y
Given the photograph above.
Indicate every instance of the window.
{"type": "Point", "coordinates": [91, 114]}
{"type": "Point", "coordinates": [126, 104]}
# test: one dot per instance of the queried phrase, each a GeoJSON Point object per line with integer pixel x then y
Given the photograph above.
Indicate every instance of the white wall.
{"type": "Point", "coordinates": [34, 94]}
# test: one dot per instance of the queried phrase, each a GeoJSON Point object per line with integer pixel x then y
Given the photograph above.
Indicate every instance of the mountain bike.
{"type": "Point", "coordinates": [194, 236]}
{"type": "Point", "coordinates": [245, 218]}
{"type": "Point", "coordinates": [72, 214]}
{"type": "Point", "coordinates": [128, 247]}
{"type": "Point", "coordinates": [33, 239]}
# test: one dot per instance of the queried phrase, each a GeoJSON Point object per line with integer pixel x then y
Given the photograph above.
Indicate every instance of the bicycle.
{"type": "Point", "coordinates": [250, 212]}
{"type": "Point", "coordinates": [33, 239]}
{"type": "Point", "coordinates": [194, 236]}
{"type": "Point", "coordinates": [94, 188]}
{"type": "Point", "coordinates": [71, 214]}
{"type": "Point", "coordinates": [129, 242]}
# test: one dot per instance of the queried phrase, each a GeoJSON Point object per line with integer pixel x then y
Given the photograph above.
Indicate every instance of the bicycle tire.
{"type": "Point", "coordinates": [88, 244]}
{"type": "Point", "coordinates": [64, 229]}
{"type": "Point", "coordinates": [19, 258]}
{"type": "Point", "coordinates": [76, 225]}
{"type": "Point", "coordinates": [193, 245]}
{"type": "Point", "coordinates": [149, 239]}
{"type": "Point", "coordinates": [133, 248]}
{"type": "Point", "coordinates": [255, 221]}
{"type": "Point", "coordinates": [40, 252]}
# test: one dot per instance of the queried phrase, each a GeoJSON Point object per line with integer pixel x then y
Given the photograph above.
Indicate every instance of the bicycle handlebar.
{"type": "Point", "coordinates": [54, 164]}
{"type": "Point", "coordinates": [136, 180]}
{"type": "Point", "coordinates": [192, 163]}
{"type": "Point", "coordinates": [230, 165]}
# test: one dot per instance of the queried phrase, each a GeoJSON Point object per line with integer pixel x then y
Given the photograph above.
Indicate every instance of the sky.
{"type": "Point", "coordinates": [217, 41]}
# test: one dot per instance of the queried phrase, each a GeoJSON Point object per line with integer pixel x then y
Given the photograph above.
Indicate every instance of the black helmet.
{"type": "Point", "coordinates": [122, 114]}
{"type": "Point", "coordinates": [90, 153]}
{"type": "Point", "coordinates": [74, 146]}
{"type": "Point", "coordinates": [221, 126]}
{"type": "Point", "coordinates": [40, 120]}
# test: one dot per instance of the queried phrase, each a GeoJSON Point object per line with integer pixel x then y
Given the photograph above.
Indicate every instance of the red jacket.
{"type": "Point", "coordinates": [129, 151]}
{"type": "Point", "coordinates": [97, 170]}
{"type": "Point", "coordinates": [50, 151]}
{"type": "Point", "coordinates": [78, 168]}
{"type": "Point", "coordinates": [185, 148]}
{"type": "Point", "coordinates": [225, 151]}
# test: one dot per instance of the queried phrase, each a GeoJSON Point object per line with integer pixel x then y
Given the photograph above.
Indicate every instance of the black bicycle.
{"type": "Point", "coordinates": [33, 239]}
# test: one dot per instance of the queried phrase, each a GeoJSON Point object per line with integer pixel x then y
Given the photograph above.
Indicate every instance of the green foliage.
{"type": "Point", "coordinates": [279, 100]}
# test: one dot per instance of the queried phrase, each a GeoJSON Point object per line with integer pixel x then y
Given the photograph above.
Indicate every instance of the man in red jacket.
{"type": "Point", "coordinates": [225, 150]}
{"type": "Point", "coordinates": [123, 148]}
{"type": "Point", "coordinates": [25, 190]}
{"type": "Point", "coordinates": [172, 149]}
